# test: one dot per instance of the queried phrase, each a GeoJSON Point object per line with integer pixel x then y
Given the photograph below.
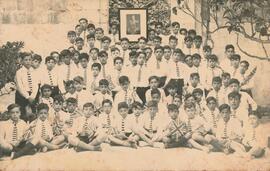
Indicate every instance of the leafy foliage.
{"type": "Point", "coordinates": [9, 63]}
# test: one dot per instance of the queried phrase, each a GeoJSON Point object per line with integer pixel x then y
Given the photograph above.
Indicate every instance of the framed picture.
{"type": "Point", "coordinates": [133, 23]}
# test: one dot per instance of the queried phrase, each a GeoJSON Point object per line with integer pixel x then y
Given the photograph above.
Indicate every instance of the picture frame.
{"type": "Point", "coordinates": [133, 23]}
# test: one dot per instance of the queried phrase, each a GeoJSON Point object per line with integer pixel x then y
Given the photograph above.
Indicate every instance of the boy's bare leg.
{"type": "Point", "coordinates": [238, 148]}
{"type": "Point", "coordinates": [74, 141]}
{"type": "Point", "coordinates": [101, 137]}
{"type": "Point", "coordinates": [198, 146]}
{"type": "Point", "coordinates": [199, 138]}
{"type": "Point", "coordinates": [58, 139]}
{"type": "Point", "coordinates": [119, 141]}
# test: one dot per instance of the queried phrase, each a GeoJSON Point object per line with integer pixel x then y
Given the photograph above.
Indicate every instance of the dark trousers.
{"type": "Point", "coordinates": [23, 102]}
{"type": "Point", "coordinates": [162, 81]}
{"type": "Point", "coordinates": [141, 93]}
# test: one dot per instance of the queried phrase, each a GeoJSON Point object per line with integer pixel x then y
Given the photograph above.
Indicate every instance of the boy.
{"type": "Point", "coordinates": [173, 42]}
{"type": "Point", "coordinates": [91, 40]}
{"type": "Point", "coordinates": [154, 84]}
{"type": "Point", "coordinates": [51, 76]}
{"type": "Point", "coordinates": [83, 95]}
{"type": "Point", "coordinates": [225, 62]}
{"type": "Point", "coordinates": [46, 98]}
{"type": "Point", "coordinates": [189, 64]}
{"type": "Point", "coordinates": [251, 137]}
{"type": "Point", "coordinates": [246, 80]}
{"type": "Point", "coordinates": [132, 60]}
{"type": "Point", "coordinates": [124, 42]}
{"type": "Point", "coordinates": [211, 72]}
{"type": "Point", "coordinates": [193, 83]}
{"type": "Point", "coordinates": [228, 133]}
{"type": "Point", "coordinates": [12, 131]}
{"type": "Point", "coordinates": [234, 65]}
{"type": "Point", "coordinates": [138, 113]}
{"type": "Point", "coordinates": [156, 97]}
{"type": "Point", "coordinates": [71, 35]}
{"type": "Point", "coordinates": [123, 128]}
{"type": "Point", "coordinates": [196, 126]}
{"type": "Point", "coordinates": [200, 101]}
{"type": "Point", "coordinates": [151, 125]}
{"type": "Point", "coordinates": [105, 44]}
{"type": "Point", "coordinates": [87, 133]}
{"type": "Point", "coordinates": [175, 28]}
{"type": "Point", "coordinates": [102, 94]}
{"type": "Point", "coordinates": [83, 23]}
{"type": "Point", "coordinates": [139, 76]}
{"type": "Point", "coordinates": [79, 45]}
{"type": "Point", "coordinates": [106, 118]}
{"type": "Point", "coordinates": [95, 78]}
{"type": "Point", "coordinates": [42, 135]}
{"type": "Point", "coordinates": [211, 114]}
{"type": "Point", "coordinates": [68, 69]}
{"type": "Point", "coordinates": [198, 66]}
{"type": "Point", "coordinates": [216, 91]}
{"type": "Point", "coordinates": [114, 33]}
{"type": "Point", "coordinates": [172, 90]}
{"type": "Point", "coordinates": [246, 101]}
{"type": "Point", "coordinates": [91, 28]}
{"type": "Point", "coordinates": [188, 45]}
{"type": "Point", "coordinates": [105, 66]}
{"type": "Point", "coordinates": [70, 90]}
{"type": "Point", "coordinates": [27, 85]}
{"type": "Point", "coordinates": [148, 51]}
{"type": "Point", "coordinates": [126, 94]}
{"type": "Point", "coordinates": [142, 43]}
{"type": "Point", "coordinates": [197, 44]}
{"type": "Point", "coordinates": [94, 55]}
{"type": "Point", "coordinates": [84, 71]}
{"type": "Point", "coordinates": [167, 55]}
{"type": "Point", "coordinates": [116, 73]}
{"type": "Point", "coordinates": [226, 77]}
{"type": "Point", "coordinates": [177, 71]}
{"type": "Point", "coordinates": [157, 41]}
{"type": "Point", "coordinates": [36, 61]}
{"type": "Point", "coordinates": [237, 111]}
{"type": "Point", "coordinates": [175, 133]}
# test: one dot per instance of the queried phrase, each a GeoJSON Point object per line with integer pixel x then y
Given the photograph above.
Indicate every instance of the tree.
{"type": "Point", "coordinates": [9, 61]}
{"type": "Point", "coordinates": [249, 18]}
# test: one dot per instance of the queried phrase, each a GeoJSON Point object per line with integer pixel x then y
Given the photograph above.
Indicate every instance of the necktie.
{"type": "Point", "coordinates": [158, 65]}
{"type": "Point", "coordinates": [43, 131]}
{"type": "Point", "coordinates": [253, 134]}
{"type": "Point", "coordinates": [85, 76]}
{"type": "Point", "coordinates": [68, 72]}
{"type": "Point", "coordinates": [137, 119]}
{"type": "Point", "coordinates": [217, 97]}
{"type": "Point", "coordinates": [151, 125]}
{"type": "Point", "coordinates": [140, 74]}
{"type": "Point", "coordinates": [103, 71]}
{"type": "Point", "coordinates": [123, 125]}
{"type": "Point", "coordinates": [124, 55]}
{"type": "Point", "coordinates": [85, 125]}
{"type": "Point", "coordinates": [126, 96]}
{"type": "Point", "coordinates": [214, 119]}
{"type": "Point", "coordinates": [189, 126]}
{"type": "Point", "coordinates": [225, 130]}
{"type": "Point", "coordinates": [177, 69]}
{"type": "Point", "coordinates": [118, 76]}
{"type": "Point", "coordinates": [71, 119]}
{"type": "Point", "coordinates": [213, 73]}
{"type": "Point", "coordinates": [108, 120]}
{"type": "Point", "coordinates": [30, 83]}
{"type": "Point", "coordinates": [15, 132]}
{"type": "Point", "coordinates": [50, 78]}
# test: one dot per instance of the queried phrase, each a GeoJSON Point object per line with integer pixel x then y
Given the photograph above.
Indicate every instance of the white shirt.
{"type": "Point", "coordinates": [99, 97]}
{"type": "Point", "coordinates": [157, 68]}
{"type": "Point", "coordinates": [6, 130]}
{"type": "Point", "coordinates": [127, 126]}
{"type": "Point", "coordinates": [138, 76]}
{"type": "Point", "coordinates": [219, 95]}
{"type": "Point", "coordinates": [86, 74]}
{"type": "Point", "coordinates": [106, 120]}
{"type": "Point", "coordinates": [83, 97]}
{"type": "Point", "coordinates": [128, 96]}
{"type": "Point", "coordinates": [209, 74]}
{"type": "Point", "coordinates": [25, 84]}
{"type": "Point", "coordinates": [233, 128]}
{"type": "Point", "coordinates": [67, 72]}
{"type": "Point", "coordinates": [212, 118]}
{"type": "Point", "coordinates": [148, 95]}
{"type": "Point", "coordinates": [174, 71]}
{"type": "Point", "coordinates": [82, 123]}
{"type": "Point", "coordinates": [38, 129]}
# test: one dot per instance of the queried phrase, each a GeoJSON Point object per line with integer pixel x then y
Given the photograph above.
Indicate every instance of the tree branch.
{"type": "Point", "coordinates": [250, 55]}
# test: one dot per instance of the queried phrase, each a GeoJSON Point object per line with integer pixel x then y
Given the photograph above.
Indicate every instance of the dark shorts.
{"type": "Point", "coordinates": [86, 139]}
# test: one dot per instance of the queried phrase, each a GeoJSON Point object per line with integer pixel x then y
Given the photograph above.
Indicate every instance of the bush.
{"type": "Point", "coordinates": [9, 61]}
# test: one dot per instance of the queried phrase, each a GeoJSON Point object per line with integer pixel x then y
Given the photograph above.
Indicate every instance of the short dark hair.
{"type": "Point", "coordinates": [152, 103]}
{"type": "Point", "coordinates": [210, 98]}
{"type": "Point", "coordinates": [118, 58]}
{"type": "Point", "coordinates": [65, 53]}
{"type": "Point", "coordinates": [83, 19]}
{"type": "Point", "coordinates": [196, 56]}
{"type": "Point", "coordinates": [103, 82]}
{"type": "Point", "coordinates": [137, 105]}
{"type": "Point", "coordinates": [25, 54]}
{"type": "Point", "coordinates": [124, 39]}
{"type": "Point", "coordinates": [79, 39]}
{"type": "Point", "coordinates": [155, 91]}
{"type": "Point", "coordinates": [173, 38]}
{"type": "Point", "coordinates": [234, 81]}
{"type": "Point", "coordinates": [234, 95]}
{"type": "Point", "coordinates": [98, 65]}
{"type": "Point", "coordinates": [91, 25]}
{"type": "Point", "coordinates": [72, 100]}
{"type": "Point", "coordinates": [197, 90]}
{"type": "Point", "coordinates": [122, 105]}
{"type": "Point", "coordinates": [106, 101]}
{"type": "Point", "coordinates": [245, 62]}
{"type": "Point", "coordinates": [96, 49]}
{"type": "Point", "coordinates": [70, 33]}
{"type": "Point", "coordinates": [37, 57]}
{"type": "Point", "coordinates": [42, 106]}
{"type": "Point", "coordinates": [78, 79]}
{"type": "Point", "coordinates": [192, 75]}
{"type": "Point", "coordinates": [104, 38]}
{"type": "Point", "coordinates": [102, 53]}
{"type": "Point", "coordinates": [88, 105]}
{"type": "Point", "coordinates": [89, 36]}
{"type": "Point", "coordinates": [58, 98]}
{"type": "Point", "coordinates": [172, 107]}
{"type": "Point", "coordinates": [229, 46]}
{"type": "Point", "coordinates": [175, 23]}
{"type": "Point", "coordinates": [153, 77]}
{"type": "Point", "coordinates": [225, 74]}
{"type": "Point", "coordinates": [48, 58]}
{"type": "Point", "coordinates": [224, 106]}
{"type": "Point", "coordinates": [45, 86]}
{"type": "Point", "coordinates": [12, 106]}
{"type": "Point", "coordinates": [189, 105]}
{"type": "Point", "coordinates": [235, 57]}
{"type": "Point", "coordinates": [216, 79]}
{"type": "Point", "coordinates": [84, 56]}
{"type": "Point", "coordinates": [123, 79]}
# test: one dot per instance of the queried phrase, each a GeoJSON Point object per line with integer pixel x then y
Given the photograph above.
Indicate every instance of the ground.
{"type": "Point", "coordinates": [120, 158]}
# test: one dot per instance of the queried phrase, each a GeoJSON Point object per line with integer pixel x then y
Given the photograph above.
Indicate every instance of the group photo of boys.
{"type": "Point", "coordinates": [162, 91]}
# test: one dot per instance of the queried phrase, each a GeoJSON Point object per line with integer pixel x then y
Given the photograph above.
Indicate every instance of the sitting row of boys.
{"type": "Point", "coordinates": [215, 129]}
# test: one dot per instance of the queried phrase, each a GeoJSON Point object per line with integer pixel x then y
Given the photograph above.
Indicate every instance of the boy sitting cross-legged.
{"type": "Point", "coordinates": [87, 133]}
